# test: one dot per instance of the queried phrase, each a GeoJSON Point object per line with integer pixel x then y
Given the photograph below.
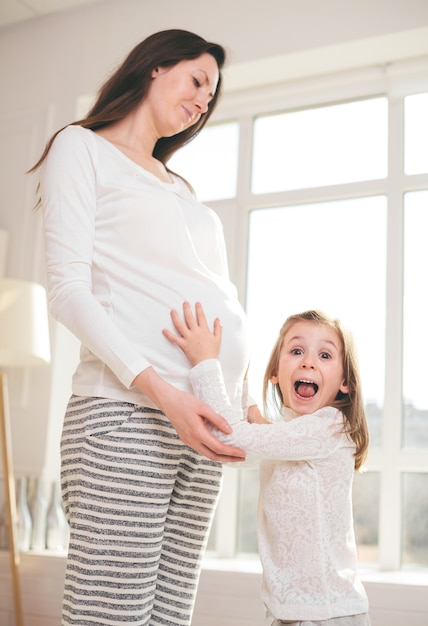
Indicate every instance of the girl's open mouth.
{"type": "Point", "coordinates": [305, 388]}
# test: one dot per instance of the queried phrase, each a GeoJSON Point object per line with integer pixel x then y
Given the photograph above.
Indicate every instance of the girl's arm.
{"type": "Point", "coordinates": [308, 437]}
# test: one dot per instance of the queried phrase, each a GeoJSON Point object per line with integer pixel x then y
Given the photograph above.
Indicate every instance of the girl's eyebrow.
{"type": "Point", "coordinates": [325, 341]}
{"type": "Point", "coordinates": [331, 343]}
{"type": "Point", "coordinates": [295, 338]}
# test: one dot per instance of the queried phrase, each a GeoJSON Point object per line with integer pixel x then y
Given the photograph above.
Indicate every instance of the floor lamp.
{"type": "Point", "coordinates": [24, 342]}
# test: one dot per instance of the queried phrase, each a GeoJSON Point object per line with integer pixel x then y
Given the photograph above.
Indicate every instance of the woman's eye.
{"type": "Point", "coordinates": [196, 82]}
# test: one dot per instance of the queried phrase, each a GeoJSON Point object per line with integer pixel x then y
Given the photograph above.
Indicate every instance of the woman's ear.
{"type": "Point", "coordinates": [344, 388]}
{"type": "Point", "coordinates": [155, 72]}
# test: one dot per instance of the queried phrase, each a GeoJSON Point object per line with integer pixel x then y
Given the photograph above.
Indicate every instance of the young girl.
{"type": "Point", "coordinates": [305, 525]}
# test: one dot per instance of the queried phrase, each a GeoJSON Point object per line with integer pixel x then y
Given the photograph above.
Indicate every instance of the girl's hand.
{"type": "Point", "coordinates": [194, 337]}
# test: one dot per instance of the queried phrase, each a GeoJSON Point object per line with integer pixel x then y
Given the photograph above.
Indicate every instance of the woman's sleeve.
{"type": "Point", "coordinates": [308, 437]}
{"type": "Point", "coordinates": [68, 192]}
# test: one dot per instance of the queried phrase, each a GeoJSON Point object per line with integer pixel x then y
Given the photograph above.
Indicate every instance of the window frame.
{"type": "Point", "coordinates": [395, 81]}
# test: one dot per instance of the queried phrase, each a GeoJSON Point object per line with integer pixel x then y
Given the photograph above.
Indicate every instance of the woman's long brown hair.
{"type": "Point", "coordinates": [129, 85]}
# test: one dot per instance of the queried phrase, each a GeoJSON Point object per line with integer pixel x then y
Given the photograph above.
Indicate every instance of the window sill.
{"type": "Point", "coordinates": [252, 565]}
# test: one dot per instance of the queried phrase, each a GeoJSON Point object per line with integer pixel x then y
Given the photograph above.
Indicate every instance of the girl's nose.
{"type": "Point", "coordinates": [308, 362]}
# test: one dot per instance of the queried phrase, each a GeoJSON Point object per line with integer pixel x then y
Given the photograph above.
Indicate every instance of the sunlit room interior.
{"type": "Point", "coordinates": [316, 162]}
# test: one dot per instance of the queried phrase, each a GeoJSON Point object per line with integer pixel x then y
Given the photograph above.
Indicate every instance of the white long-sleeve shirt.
{"type": "Point", "coordinates": [124, 248]}
{"type": "Point", "coordinates": [305, 525]}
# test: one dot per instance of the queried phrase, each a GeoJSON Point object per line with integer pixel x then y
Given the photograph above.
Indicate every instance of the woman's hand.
{"type": "Point", "coordinates": [189, 415]}
{"type": "Point", "coordinates": [194, 337]}
{"type": "Point", "coordinates": [254, 415]}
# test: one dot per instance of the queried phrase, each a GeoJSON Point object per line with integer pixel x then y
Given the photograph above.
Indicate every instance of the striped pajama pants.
{"type": "Point", "coordinates": [139, 504]}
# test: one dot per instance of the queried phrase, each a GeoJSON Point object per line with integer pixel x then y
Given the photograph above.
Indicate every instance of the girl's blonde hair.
{"type": "Point", "coordinates": [350, 404]}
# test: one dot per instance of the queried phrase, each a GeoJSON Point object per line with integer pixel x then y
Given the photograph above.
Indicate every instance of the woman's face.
{"type": "Point", "coordinates": [180, 94]}
{"type": "Point", "coordinates": [310, 367]}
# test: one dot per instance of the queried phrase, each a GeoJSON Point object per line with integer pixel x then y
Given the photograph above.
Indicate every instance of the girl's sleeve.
{"type": "Point", "coordinates": [68, 192]}
{"type": "Point", "coordinates": [308, 437]}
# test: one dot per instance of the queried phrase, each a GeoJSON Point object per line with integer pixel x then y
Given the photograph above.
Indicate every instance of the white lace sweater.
{"type": "Point", "coordinates": [305, 524]}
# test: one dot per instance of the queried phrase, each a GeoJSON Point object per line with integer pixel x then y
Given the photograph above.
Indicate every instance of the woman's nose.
{"type": "Point", "coordinates": [202, 101]}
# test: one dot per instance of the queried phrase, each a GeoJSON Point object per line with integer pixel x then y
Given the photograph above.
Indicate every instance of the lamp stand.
{"type": "Point", "coordinates": [9, 484]}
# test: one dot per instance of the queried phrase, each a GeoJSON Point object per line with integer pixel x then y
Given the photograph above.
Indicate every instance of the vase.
{"type": "Point", "coordinates": [56, 522]}
{"type": "Point", "coordinates": [24, 523]}
{"type": "Point", "coordinates": [38, 511]}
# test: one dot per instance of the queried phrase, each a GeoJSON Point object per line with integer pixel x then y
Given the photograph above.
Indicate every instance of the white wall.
{"type": "Point", "coordinates": [48, 63]}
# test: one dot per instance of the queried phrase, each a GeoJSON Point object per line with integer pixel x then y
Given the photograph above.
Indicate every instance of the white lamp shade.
{"type": "Point", "coordinates": [24, 330]}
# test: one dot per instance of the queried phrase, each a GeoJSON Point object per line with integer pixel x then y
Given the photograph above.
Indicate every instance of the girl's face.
{"type": "Point", "coordinates": [180, 94]}
{"type": "Point", "coordinates": [310, 367]}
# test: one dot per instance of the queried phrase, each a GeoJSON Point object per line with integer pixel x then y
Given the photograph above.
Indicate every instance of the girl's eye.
{"type": "Point", "coordinates": [325, 355]}
{"type": "Point", "coordinates": [296, 351]}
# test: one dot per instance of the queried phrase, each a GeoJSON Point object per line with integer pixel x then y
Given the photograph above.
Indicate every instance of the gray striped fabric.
{"type": "Point", "coordinates": [140, 504]}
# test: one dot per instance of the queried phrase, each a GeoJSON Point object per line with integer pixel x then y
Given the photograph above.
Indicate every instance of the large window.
{"type": "Point", "coordinates": [320, 146]}
{"type": "Point", "coordinates": [325, 205]}
{"type": "Point", "coordinates": [213, 151]}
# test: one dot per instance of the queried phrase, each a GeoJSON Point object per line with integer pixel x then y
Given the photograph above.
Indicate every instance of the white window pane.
{"type": "Point", "coordinates": [416, 134]}
{"type": "Point", "coordinates": [328, 256]}
{"type": "Point", "coordinates": [210, 162]}
{"type": "Point", "coordinates": [247, 511]}
{"type": "Point", "coordinates": [415, 519]}
{"type": "Point", "coordinates": [365, 501]}
{"type": "Point", "coordinates": [415, 387]}
{"type": "Point", "coordinates": [325, 146]}
{"type": "Point", "coordinates": [321, 256]}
